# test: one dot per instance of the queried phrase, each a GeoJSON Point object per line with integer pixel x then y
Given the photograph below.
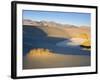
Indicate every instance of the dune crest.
{"type": "Point", "coordinates": [39, 52]}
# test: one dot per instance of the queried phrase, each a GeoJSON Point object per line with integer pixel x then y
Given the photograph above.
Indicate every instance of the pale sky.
{"type": "Point", "coordinates": [78, 19]}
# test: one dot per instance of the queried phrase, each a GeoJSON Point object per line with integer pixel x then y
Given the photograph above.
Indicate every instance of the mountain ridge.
{"type": "Point", "coordinates": [57, 29]}
{"type": "Point", "coordinates": [47, 23]}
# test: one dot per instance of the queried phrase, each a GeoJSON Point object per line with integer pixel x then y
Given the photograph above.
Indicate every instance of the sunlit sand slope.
{"type": "Point", "coordinates": [43, 58]}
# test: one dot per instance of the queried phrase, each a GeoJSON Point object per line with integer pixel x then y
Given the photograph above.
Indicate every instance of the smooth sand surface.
{"type": "Point", "coordinates": [54, 61]}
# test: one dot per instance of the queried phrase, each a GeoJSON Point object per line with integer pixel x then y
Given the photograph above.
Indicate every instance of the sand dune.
{"type": "Point", "coordinates": [55, 32]}
{"type": "Point", "coordinates": [76, 31]}
{"type": "Point", "coordinates": [53, 60]}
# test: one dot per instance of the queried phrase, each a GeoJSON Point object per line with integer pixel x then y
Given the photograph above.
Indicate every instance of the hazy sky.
{"type": "Point", "coordinates": [78, 19]}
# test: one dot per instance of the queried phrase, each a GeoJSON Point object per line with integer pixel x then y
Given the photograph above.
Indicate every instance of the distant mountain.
{"type": "Point", "coordinates": [58, 30]}
{"type": "Point", "coordinates": [45, 23]}
{"type": "Point", "coordinates": [50, 28]}
{"type": "Point", "coordinates": [31, 22]}
{"type": "Point", "coordinates": [77, 34]}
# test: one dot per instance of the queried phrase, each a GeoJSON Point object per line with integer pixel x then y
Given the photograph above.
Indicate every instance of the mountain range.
{"type": "Point", "coordinates": [59, 30]}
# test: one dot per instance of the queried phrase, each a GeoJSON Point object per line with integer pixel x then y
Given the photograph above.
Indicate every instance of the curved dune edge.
{"type": "Point", "coordinates": [82, 39]}
{"type": "Point", "coordinates": [53, 60]}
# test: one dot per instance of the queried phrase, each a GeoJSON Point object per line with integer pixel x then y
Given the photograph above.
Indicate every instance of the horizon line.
{"type": "Point", "coordinates": [59, 23]}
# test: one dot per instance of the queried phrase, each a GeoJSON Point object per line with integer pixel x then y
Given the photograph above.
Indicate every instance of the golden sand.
{"type": "Point", "coordinates": [43, 58]}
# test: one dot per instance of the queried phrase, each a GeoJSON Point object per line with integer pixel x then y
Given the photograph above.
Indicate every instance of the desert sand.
{"type": "Point", "coordinates": [76, 34]}
{"type": "Point", "coordinates": [53, 60]}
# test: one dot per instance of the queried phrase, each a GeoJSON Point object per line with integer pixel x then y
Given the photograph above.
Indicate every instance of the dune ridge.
{"type": "Point", "coordinates": [77, 34]}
